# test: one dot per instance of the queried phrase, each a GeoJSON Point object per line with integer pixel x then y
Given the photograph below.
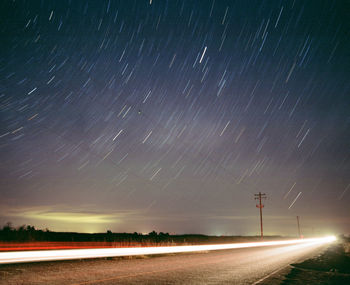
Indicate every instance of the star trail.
{"type": "Point", "coordinates": [170, 115]}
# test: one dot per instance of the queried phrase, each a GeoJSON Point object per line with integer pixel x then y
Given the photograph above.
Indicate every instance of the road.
{"type": "Point", "coordinates": [234, 266]}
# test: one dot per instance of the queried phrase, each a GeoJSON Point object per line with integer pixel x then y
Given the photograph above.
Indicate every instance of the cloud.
{"type": "Point", "coordinates": [65, 214]}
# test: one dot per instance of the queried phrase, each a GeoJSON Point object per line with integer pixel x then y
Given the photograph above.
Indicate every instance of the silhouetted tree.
{"type": "Point", "coordinates": [7, 227]}
{"type": "Point", "coordinates": [153, 234]}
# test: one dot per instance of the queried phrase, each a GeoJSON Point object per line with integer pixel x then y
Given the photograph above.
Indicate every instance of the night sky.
{"type": "Point", "coordinates": [138, 115]}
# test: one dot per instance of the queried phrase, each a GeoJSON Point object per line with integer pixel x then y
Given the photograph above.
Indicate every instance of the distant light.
{"type": "Point", "coordinates": [46, 255]}
{"type": "Point", "coordinates": [332, 238]}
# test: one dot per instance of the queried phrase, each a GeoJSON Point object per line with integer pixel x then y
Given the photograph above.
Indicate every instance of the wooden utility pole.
{"type": "Point", "coordinates": [298, 227]}
{"type": "Point", "coordinates": [259, 197]}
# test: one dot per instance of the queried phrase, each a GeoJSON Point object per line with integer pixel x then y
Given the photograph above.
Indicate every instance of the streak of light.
{"type": "Point", "coordinates": [279, 16]}
{"type": "Point", "coordinates": [106, 156]}
{"type": "Point", "coordinates": [343, 193]}
{"type": "Point", "coordinates": [46, 255]}
{"type": "Point", "coordinates": [291, 188]}
{"type": "Point", "coordinates": [225, 128]}
{"type": "Point", "coordinates": [31, 91]}
{"type": "Point", "coordinates": [117, 135]}
{"type": "Point", "coordinates": [303, 138]}
{"type": "Point", "coordinates": [149, 93]}
{"type": "Point", "coordinates": [205, 49]}
{"type": "Point", "coordinates": [52, 78]}
{"type": "Point", "coordinates": [223, 20]}
{"type": "Point", "coordinates": [290, 72]}
{"type": "Point", "coordinates": [49, 245]}
{"type": "Point", "coordinates": [32, 117]}
{"type": "Point", "coordinates": [154, 175]}
{"type": "Point", "coordinates": [147, 137]}
{"type": "Point", "coordinates": [122, 110]}
{"type": "Point", "coordinates": [291, 205]}
{"type": "Point", "coordinates": [5, 134]}
{"type": "Point", "coordinates": [127, 111]}
{"type": "Point", "coordinates": [17, 130]}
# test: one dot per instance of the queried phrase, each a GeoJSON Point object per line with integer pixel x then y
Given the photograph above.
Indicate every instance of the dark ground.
{"type": "Point", "coordinates": [331, 267]}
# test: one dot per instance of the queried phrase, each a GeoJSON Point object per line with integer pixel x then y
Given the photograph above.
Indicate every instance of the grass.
{"type": "Point", "coordinates": [332, 267]}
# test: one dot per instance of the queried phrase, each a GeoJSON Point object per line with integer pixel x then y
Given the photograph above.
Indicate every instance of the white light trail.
{"type": "Point", "coordinates": [342, 194]}
{"type": "Point", "coordinates": [31, 91]}
{"type": "Point", "coordinates": [279, 16]}
{"type": "Point", "coordinates": [149, 93]}
{"type": "Point", "coordinates": [307, 132]}
{"type": "Point", "coordinates": [291, 188]}
{"type": "Point", "coordinates": [296, 198]}
{"type": "Point", "coordinates": [127, 111]}
{"type": "Point", "coordinates": [205, 49]}
{"type": "Point", "coordinates": [146, 138]}
{"type": "Point", "coordinates": [154, 175]}
{"type": "Point", "coordinates": [225, 128]}
{"type": "Point", "coordinates": [47, 255]}
{"type": "Point", "coordinates": [117, 135]}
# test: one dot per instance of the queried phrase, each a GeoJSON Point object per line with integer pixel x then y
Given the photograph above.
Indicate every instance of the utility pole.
{"type": "Point", "coordinates": [298, 227]}
{"type": "Point", "coordinates": [260, 206]}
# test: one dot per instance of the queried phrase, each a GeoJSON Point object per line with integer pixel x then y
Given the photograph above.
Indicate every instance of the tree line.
{"type": "Point", "coordinates": [28, 233]}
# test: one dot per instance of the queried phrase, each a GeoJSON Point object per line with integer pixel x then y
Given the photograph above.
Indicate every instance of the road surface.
{"type": "Point", "coordinates": [234, 266]}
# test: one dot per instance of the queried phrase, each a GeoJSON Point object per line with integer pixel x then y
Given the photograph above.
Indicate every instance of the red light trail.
{"type": "Point", "coordinates": [49, 255]}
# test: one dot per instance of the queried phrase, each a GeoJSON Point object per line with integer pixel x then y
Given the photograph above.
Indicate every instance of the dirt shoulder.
{"type": "Point", "coordinates": [331, 267]}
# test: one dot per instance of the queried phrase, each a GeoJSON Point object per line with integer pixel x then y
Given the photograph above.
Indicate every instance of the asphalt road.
{"type": "Point", "coordinates": [237, 266]}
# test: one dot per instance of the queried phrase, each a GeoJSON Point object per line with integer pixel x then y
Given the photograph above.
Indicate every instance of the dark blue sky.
{"type": "Point", "coordinates": [170, 115]}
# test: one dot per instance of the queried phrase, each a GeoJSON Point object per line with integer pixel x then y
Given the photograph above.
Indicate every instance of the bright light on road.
{"type": "Point", "coordinates": [47, 255]}
{"type": "Point", "coordinates": [332, 238]}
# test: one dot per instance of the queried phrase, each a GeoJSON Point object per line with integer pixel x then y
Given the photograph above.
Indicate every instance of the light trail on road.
{"type": "Point", "coordinates": [50, 255]}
